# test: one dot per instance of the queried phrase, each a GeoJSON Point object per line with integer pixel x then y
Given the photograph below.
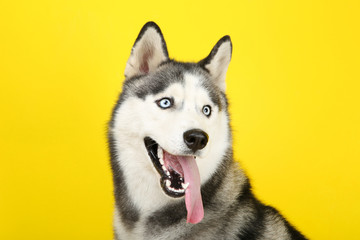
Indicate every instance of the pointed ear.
{"type": "Point", "coordinates": [218, 61]}
{"type": "Point", "coordinates": [148, 52]}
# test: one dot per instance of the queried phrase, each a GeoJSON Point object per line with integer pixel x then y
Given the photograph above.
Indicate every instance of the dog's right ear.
{"type": "Point", "coordinates": [148, 52]}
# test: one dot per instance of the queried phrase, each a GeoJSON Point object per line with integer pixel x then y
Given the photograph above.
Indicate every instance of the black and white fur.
{"type": "Point", "coordinates": [143, 210]}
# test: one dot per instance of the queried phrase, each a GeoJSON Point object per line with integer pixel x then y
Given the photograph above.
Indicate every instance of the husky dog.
{"type": "Point", "coordinates": [171, 152]}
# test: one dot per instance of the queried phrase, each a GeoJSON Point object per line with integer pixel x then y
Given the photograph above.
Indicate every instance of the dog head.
{"type": "Point", "coordinates": [172, 115]}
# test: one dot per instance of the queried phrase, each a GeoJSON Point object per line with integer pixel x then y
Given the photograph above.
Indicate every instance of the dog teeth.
{"type": "Point", "coordinates": [161, 161]}
{"type": "Point", "coordinates": [185, 185]}
{"type": "Point", "coordinates": [160, 155]}
{"type": "Point", "coordinates": [168, 186]}
{"type": "Point", "coordinates": [168, 183]}
{"type": "Point", "coordinates": [165, 170]}
{"type": "Point", "coordinates": [177, 190]}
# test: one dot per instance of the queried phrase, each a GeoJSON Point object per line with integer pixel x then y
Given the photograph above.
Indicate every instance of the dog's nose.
{"type": "Point", "coordinates": [195, 139]}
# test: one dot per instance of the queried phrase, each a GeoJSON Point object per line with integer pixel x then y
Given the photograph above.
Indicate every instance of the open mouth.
{"type": "Point", "coordinates": [170, 170]}
{"type": "Point", "coordinates": [179, 176]}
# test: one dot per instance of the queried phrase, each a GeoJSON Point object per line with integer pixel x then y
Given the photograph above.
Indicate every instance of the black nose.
{"type": "Point", "coordinates": [195, 139]}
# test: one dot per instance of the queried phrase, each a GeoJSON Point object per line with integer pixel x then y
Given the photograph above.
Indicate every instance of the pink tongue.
{"type": "Point", "coordinates": [193, 201]}
{"type": "Point", "coordinates": [188, 168]}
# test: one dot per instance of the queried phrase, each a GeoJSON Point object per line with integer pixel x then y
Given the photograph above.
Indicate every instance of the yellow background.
{"type": "Point", "coordinates": [293, 86]}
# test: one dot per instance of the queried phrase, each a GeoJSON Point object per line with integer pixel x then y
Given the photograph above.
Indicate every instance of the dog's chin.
{"type": "Point", "coordinates": [171, 172]}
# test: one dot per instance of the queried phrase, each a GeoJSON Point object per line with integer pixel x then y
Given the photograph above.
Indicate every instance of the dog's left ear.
{"type": "Point", "coordinates": [217, 62]}
{"type": "Point", "coordinates": [148, 52]}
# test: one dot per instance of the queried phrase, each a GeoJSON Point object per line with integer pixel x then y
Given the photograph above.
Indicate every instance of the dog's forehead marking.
{"type": "Point", "coordinates": [189, 90]}
{"type": "Point", "coordinates": [190, 80]}
{"type": "Point", "coordinates": [194, 91]}
{"type": "Point", "coordinates": [197, 90]}
{"type": "Point", "coordinates": [175, 90]}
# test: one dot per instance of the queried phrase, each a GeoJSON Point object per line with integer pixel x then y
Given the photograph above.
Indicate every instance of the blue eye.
{"type": "Point", "coordinates": [207, 110]}
{"type": "Point", "coordinates": [165, 102]}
